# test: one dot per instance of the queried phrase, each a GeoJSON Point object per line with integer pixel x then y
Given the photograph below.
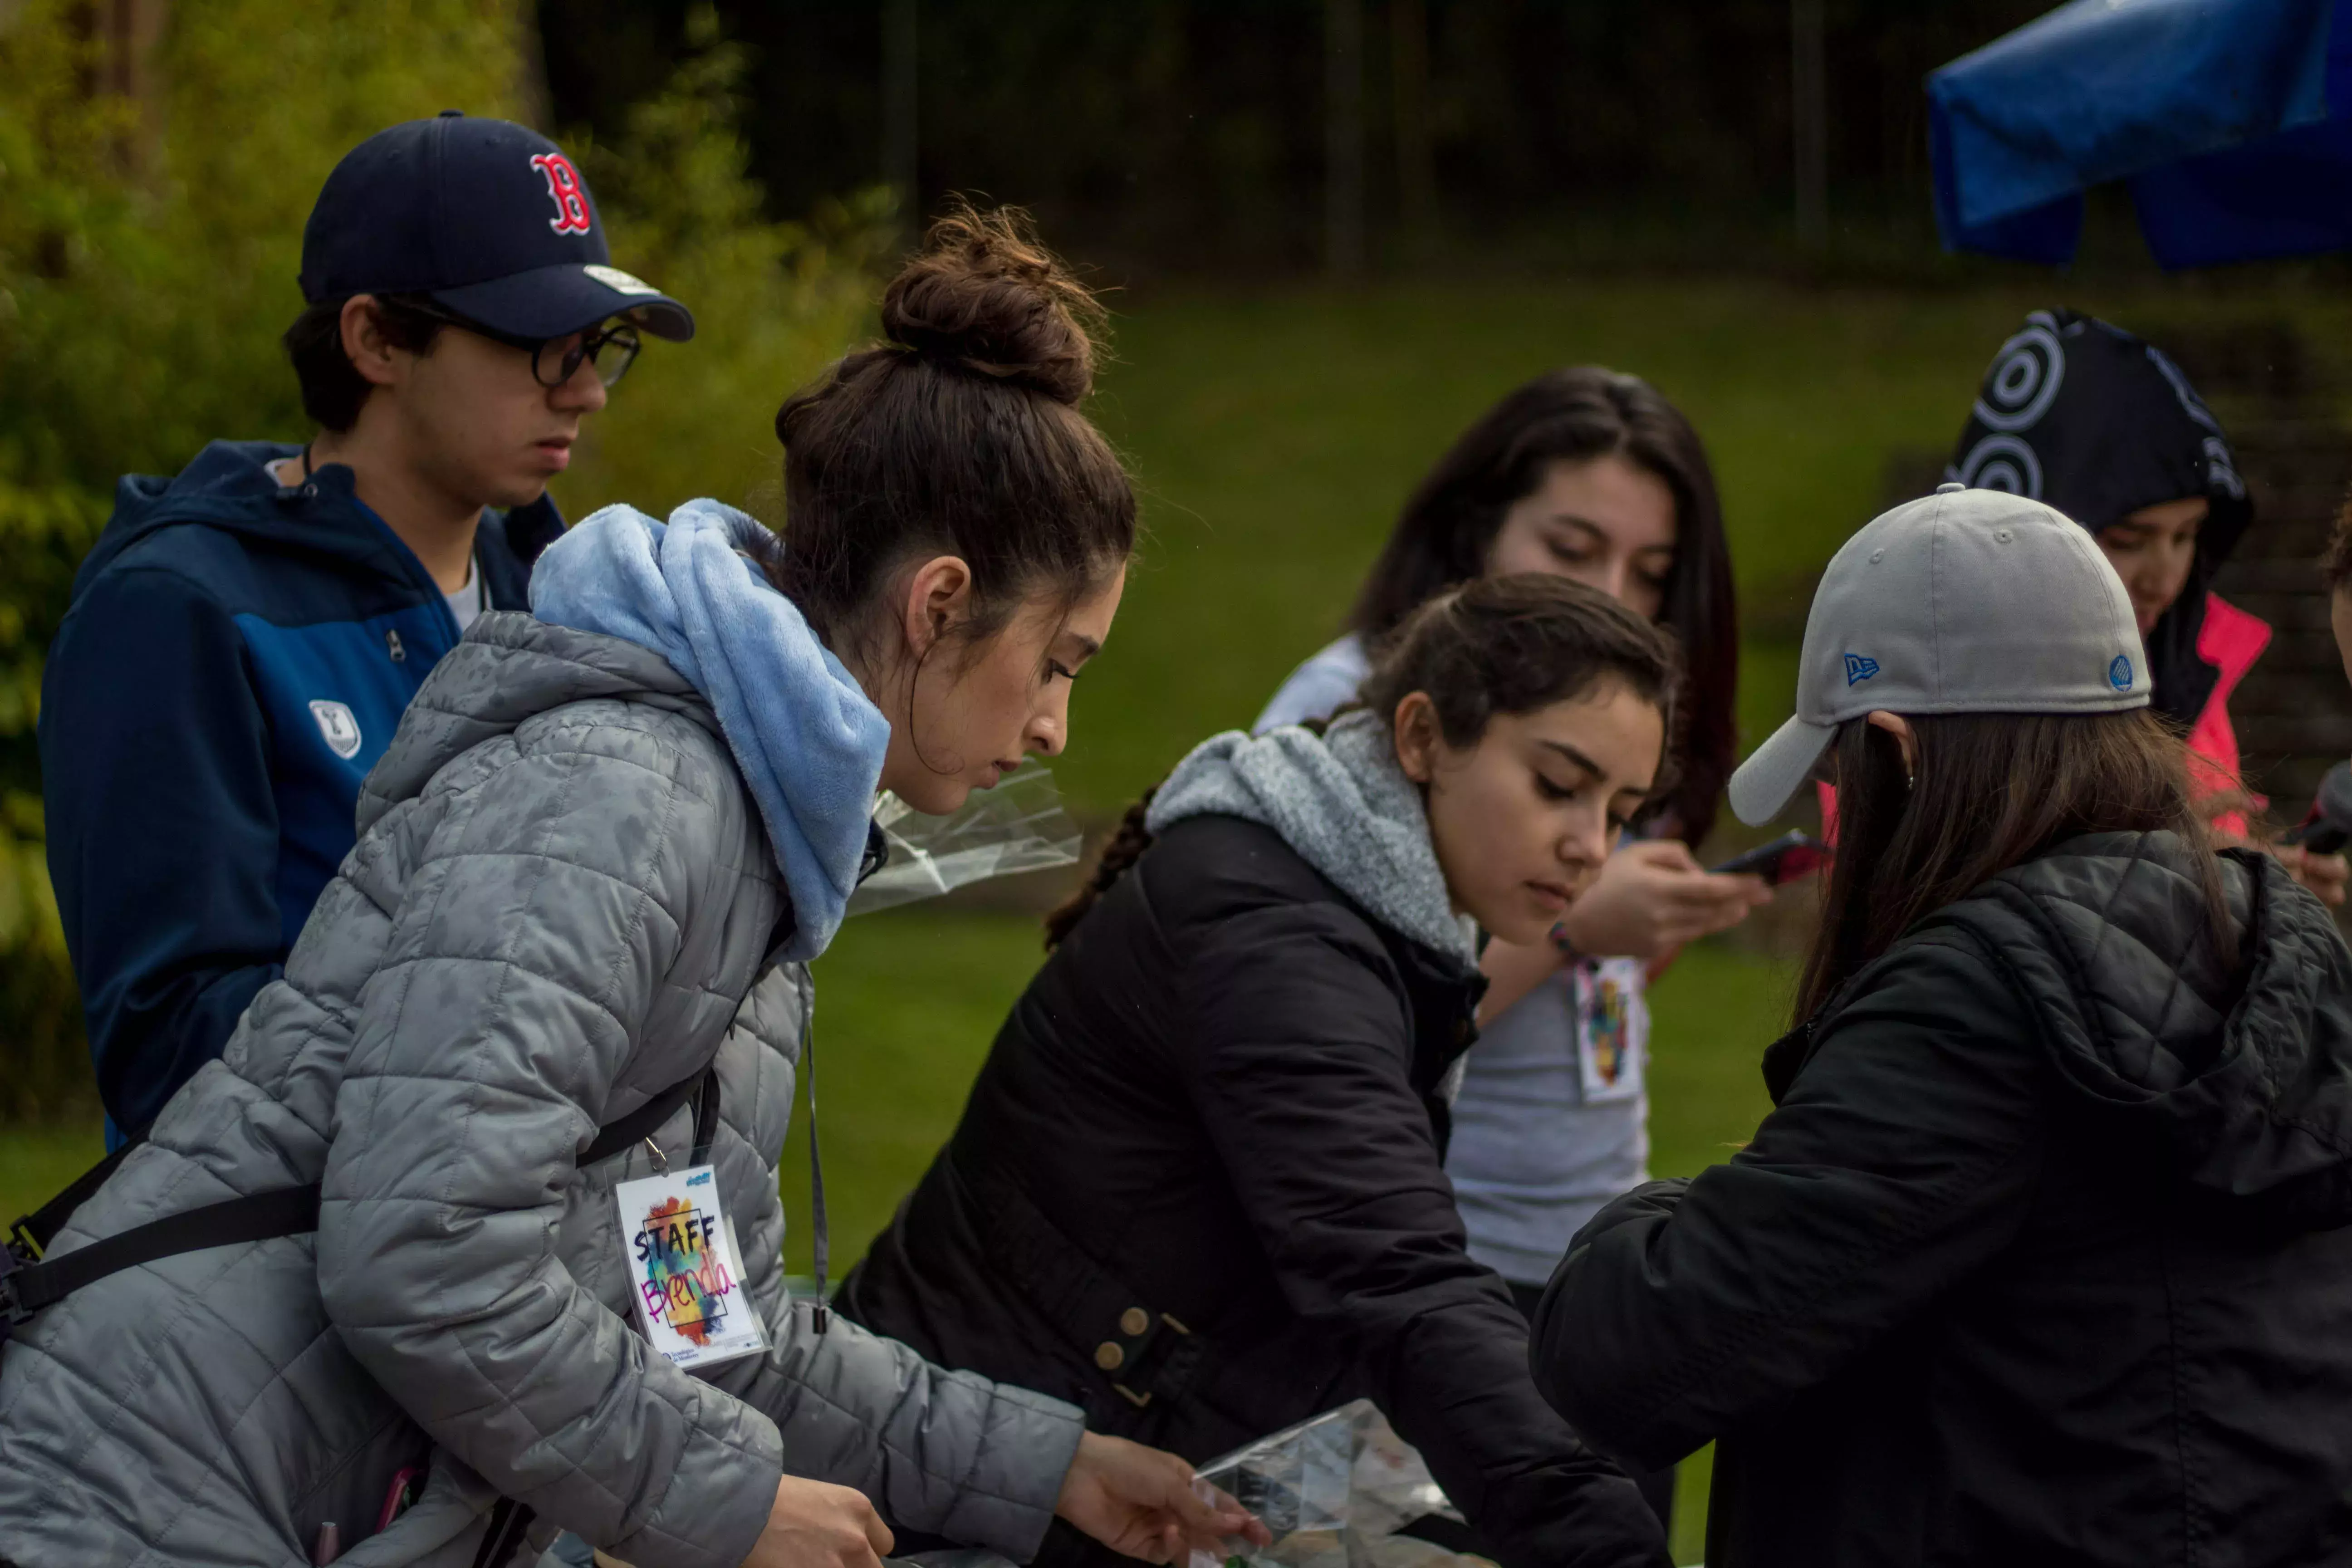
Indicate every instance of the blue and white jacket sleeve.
{"type": "Point", "coordinates": [163, 829]}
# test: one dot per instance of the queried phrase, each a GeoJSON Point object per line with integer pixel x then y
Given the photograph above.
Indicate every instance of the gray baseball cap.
{"type": "Point", "coordinates": [1962, 602]}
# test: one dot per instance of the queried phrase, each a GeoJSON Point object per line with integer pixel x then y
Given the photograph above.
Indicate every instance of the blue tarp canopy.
{"type": "Point", "coordinates": [2230, 119]}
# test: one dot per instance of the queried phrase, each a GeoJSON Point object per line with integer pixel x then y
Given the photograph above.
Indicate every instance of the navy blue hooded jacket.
{"type": "Point", "coordinates": [237, 656]}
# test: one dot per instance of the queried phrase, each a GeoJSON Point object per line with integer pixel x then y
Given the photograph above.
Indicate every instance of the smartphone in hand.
{"type": "Point", "coordinates": [1784, 859]}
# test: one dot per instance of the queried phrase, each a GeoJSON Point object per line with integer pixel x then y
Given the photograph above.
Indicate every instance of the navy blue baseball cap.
{"type": "Point", "coordinates": [489, 219]}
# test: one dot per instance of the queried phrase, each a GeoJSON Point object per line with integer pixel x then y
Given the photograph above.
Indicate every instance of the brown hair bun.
{"type": "Point", "coordinates": [983, 295]}
{"type": "Point", "coordinates": [961, 434]}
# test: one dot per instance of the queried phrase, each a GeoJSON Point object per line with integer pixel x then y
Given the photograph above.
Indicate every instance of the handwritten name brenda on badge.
{"type": "Point", "coordinates": [686, 1277]}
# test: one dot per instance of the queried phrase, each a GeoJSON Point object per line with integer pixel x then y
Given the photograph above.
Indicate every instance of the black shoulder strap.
{"type": "Point", "coordinates": [510, 1526]}
{"type": "Point", "coordinates": [30, 1281]}
{"type": "Point", "coordinates": [255, 1217]}
{"type": "Point", "coordinates": [646, 1120]}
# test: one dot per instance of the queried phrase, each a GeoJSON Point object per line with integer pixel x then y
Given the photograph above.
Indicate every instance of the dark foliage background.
{"type": "Point", "coordinates": [1189, 135]}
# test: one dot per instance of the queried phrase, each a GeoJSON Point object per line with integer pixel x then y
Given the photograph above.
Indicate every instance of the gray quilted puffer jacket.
{"type": "Point", "coordinates": [560, 904]}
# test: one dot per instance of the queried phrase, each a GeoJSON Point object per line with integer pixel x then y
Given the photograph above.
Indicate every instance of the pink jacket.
{"type": "Point", "coordinates": [2231, 640]}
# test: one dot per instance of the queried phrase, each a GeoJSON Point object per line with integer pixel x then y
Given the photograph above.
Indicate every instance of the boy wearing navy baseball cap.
{"type": "Point", "coordinates": [244, 638]}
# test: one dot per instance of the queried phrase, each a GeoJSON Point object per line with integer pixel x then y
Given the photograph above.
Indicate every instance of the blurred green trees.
{"type": "Point", "coordinates": [148, 255]}
{"type": "Point", "coordinates": [774, 302]}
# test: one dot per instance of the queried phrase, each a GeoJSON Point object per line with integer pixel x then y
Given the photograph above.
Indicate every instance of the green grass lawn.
{"type": "Point", "coordinates": [1276, 434]}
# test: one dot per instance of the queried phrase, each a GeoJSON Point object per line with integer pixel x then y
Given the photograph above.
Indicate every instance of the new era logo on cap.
{"type": "Point", "coordinates": [490, 219]}
{"type": "Point", "coordinates": [1969, 602]}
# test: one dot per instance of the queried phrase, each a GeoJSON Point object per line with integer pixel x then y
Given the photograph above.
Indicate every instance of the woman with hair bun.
{"type": "Point", "coordinates": [1197, 1188]}
{"type": "Point", "coordinates": [419, 1295]}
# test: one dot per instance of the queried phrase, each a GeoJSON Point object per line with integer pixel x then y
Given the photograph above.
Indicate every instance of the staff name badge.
{"type": "Point", "coordinates": [1613, 1029]}
{"type": "Point", "coordinates": [684, 1270]}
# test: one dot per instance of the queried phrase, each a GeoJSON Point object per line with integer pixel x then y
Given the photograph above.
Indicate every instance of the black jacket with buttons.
{"type": "Point", "coordinates": [2044, 1257]}
{"type": "Point", "coordinates": [1198, 1190]}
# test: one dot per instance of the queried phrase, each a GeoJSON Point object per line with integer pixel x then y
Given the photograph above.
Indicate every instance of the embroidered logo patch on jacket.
{"type": "Point", "coordinates": [337, 727]}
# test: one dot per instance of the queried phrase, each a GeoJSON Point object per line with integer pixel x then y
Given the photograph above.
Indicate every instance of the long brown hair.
{"type": "Point", "coordinates": [1991, 791]}
{"type": "Point", "coordinates": [1447, 530]}
{"type": "Point", "coordinates": [1492, 645]}
{"type": "Point", "coordinates": [959, 433]}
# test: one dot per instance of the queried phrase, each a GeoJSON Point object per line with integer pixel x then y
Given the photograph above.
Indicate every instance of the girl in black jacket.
{"type": "Point", "coordinates": [1198, 1188]}
{"type": "Point", "coordinates": [2044, 1255]}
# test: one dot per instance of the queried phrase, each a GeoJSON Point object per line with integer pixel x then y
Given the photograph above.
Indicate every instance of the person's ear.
{"type": "Point", "coordinates": [1414, 730]}
{"type": "Point", "coordinates": [1899, 727]}
{"type": "Point", "coordinates": [938, 596]}
{"type": "Point", "coordinates": [364, 343]}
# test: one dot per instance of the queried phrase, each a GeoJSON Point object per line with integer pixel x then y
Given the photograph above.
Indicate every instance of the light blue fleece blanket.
{"type": "Point", "coordinates": [806, 738]}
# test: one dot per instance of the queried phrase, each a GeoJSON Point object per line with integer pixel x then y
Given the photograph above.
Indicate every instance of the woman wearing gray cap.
{"type": "Point", "coordinates": [2042, 1255]}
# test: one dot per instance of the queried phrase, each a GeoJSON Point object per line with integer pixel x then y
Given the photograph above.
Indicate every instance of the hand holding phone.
{"type": "Point", "coordinates": [1649, 899]}
{"type": "Point", "coordinates": [1784, 859]}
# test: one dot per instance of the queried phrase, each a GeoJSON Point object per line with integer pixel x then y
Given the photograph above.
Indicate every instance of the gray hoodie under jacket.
{"type": "Point", "coordinates": [1343, 806]}
{"type": "Point", "coordinates": [562, 902]}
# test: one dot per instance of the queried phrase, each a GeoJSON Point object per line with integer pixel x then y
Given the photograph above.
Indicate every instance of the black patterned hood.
{"type": "Point", "coordinates": [2083, 415]}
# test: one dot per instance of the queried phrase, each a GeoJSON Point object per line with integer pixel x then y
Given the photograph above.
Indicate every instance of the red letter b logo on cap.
{"type": "Point", "coordinates": [563, 186]}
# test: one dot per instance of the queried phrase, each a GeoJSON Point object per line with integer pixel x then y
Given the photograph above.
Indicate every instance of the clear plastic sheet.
{"type": "Point", "coordinates": [1019, 825]}
{"type": "Point", "coordinates": [1334, 1490]}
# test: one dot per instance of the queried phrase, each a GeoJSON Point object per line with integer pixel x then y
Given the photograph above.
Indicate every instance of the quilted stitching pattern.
{"type": "Point", "coordinates": [2226, 1067]}
{"type": "Point", "coordinates": [560, 904]}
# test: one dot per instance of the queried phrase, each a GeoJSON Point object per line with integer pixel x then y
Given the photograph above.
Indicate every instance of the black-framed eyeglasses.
{"type": "Point", "coordinates": [611, 348]}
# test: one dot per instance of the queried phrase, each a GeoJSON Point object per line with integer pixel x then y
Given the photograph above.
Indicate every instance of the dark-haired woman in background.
{"type": "Point", "coordinates": [1197, 1188]}
{"type": "Point", "coordinates": [2045, 1255]}
{"type": "Point", "coordinates": [1589, 475]}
